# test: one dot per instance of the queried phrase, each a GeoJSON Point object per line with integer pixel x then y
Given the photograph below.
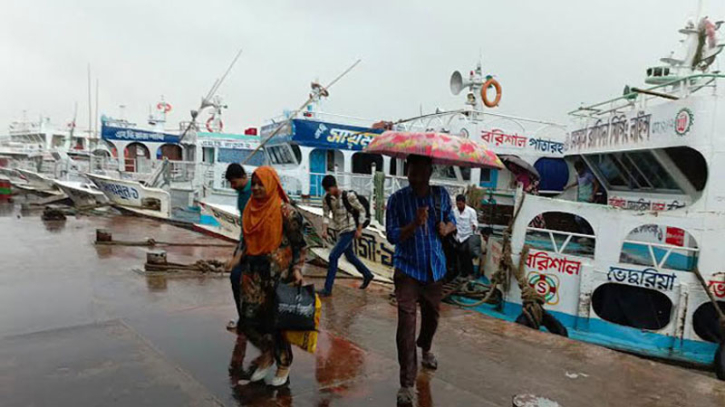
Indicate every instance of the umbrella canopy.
{"type": "Point", "coordinates": [444, 149]}
{"type": "Point", "coordinates": [511, 160]}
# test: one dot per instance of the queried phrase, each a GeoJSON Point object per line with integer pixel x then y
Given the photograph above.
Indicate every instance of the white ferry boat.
{"type": "Point", "coordinates": [624, 274]}
{"type": "Point", "coordinates": [161, 175]}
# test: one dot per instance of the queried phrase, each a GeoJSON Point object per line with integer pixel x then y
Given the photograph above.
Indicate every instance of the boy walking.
{"type": "Point", "coordinates": [349, 227]}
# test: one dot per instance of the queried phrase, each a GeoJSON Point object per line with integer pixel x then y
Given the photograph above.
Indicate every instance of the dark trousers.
{"type": "Point", "coordinates": [344, 246]}
{"type": "Point", "coordinates": [464, 258]}
{"type": "Point", "coordinates": [408, 292]}
{"type": "Point", "coordinates": [236, 279]}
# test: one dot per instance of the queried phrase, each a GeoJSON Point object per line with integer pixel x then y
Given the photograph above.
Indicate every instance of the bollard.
{"type": "Point", "coordinates": [529, 400]}
{"type": "Point", "coordinates": [103, 235]}
{"type": "Point", "coordinates": [157, 257]}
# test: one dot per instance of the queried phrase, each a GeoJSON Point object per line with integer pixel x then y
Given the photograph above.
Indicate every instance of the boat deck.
{"type": "Point", "coordinates": [82, 327]}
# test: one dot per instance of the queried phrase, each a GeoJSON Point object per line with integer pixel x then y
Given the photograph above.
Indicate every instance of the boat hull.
{"type": "Point", "coordinates": [134, 196]}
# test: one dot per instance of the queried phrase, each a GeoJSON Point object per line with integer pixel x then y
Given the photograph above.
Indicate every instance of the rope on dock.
{"type": "Point", "coordinates": [202, 266]}
{"type": "Point", "coordinates": [150, 242]}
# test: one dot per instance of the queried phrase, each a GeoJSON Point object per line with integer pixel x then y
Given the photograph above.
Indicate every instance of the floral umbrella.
{"type": "Point", "coordinates": [444, 149]}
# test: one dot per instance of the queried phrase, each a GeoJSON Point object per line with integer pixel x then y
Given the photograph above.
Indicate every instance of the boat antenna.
{"type": "Point", "coordinates": [296, 112]}
{"type": "Point", "coordinates": [206, 101]}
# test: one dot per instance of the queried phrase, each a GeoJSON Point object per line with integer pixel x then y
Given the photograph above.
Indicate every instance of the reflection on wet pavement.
{"type": "Point", "coordinates": [84, 327]}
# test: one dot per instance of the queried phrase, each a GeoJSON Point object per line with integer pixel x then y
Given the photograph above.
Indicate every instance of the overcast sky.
{"type": "Point", "coordinates": [549, 55]}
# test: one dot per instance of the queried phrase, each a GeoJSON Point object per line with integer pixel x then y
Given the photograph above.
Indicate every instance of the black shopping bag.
{"type": "Point", "coordinates": [295, 308]}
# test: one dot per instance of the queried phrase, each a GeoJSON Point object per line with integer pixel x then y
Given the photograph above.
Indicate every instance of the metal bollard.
{"type": "Point", "coordinates": [156, 257]}
{"type": "Point", "coordinates": [103, 235]}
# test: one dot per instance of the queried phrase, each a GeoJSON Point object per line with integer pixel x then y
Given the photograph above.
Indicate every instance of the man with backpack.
{"type": "Point", "coordinates": [349, 217]}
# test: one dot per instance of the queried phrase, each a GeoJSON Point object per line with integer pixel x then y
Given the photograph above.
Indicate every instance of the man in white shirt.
{"type": "Point", "coordinates": [467, 225]}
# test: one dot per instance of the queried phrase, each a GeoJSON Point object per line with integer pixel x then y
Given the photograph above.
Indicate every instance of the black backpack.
{"type": "Point", "coordinates": [355, 214]}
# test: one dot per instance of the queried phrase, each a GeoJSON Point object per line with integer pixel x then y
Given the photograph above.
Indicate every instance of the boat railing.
{"type": "Point", "coordinates": [668, 249]}
{"type": "Point", "coordinates": [444, 120]}
{"type": "Point", "coordinates": [692, 84]}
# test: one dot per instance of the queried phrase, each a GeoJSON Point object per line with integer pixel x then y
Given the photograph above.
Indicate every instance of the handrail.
{"type": "Point", "coordinates": [593, 108]}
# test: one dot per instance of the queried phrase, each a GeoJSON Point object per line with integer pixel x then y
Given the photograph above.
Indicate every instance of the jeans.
{"type": "Point", "coordinates": [344, 246]}
{"type": "Point", "coordinates": [236, 279]}
{"type": "Point", "coordinates": [409, 292]}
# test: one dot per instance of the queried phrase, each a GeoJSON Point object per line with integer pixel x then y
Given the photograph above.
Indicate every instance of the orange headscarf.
{"type": "Point", "coordinates": [262, 219]}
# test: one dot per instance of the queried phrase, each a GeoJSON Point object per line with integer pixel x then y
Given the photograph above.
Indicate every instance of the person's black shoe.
{"type": "Point", "coordinates": [366, 282]}
{"type": "Point", "coordinates": [324, 293]}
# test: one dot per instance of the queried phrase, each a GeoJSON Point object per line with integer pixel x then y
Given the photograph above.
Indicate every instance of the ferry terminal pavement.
{"type": "Point", "coordinates": [81, 326]}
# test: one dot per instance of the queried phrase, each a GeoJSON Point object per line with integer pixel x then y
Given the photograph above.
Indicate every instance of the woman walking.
{"type": "Point", "coordinates": [274, 253]}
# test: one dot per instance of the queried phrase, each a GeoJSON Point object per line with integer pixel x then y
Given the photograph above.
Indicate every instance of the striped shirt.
{"type": "Point", "coordinates": [422, 254]}
{"type": "Point", "coordinates": [342, 220]}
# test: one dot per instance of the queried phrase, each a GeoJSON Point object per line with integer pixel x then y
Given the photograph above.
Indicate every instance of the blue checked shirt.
{"type": "Point", "coordinates": [422, 254]}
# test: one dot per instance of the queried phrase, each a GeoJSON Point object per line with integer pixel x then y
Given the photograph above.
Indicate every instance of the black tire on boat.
{"type": "Point", "coordinates": [720, 361]}
{"type": "Point", "coordinates": [554, 326]}
{"type": "Point", "coordinates": [523, 320]}
{"type": "Point", "coordinates": [549, 321]}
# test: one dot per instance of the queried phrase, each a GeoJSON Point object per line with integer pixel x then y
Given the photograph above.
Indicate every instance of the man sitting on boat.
{"type": "Point", "coordinates": [237, 178]}
{"type": "Point", "coordinates": [348, 217]}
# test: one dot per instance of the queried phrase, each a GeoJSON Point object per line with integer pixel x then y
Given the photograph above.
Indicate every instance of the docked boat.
{"type": "Point", "coordinates": [165, 174]}
{"type": "Point", "coordinates": [83, 194]}
{"type": "Point", "coordinates": [624, 273]}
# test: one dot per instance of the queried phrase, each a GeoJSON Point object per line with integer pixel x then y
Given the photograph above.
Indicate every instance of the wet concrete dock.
{"type": "Point", "coordinates": [80, 327]}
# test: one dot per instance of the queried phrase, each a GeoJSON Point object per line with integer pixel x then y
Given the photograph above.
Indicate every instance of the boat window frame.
{"type": "Point", "coordinates": [668, 247]}
{"type": "Point", "coordinates": [561, 249]}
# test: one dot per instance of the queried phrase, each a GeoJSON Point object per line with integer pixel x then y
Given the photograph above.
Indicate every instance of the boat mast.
{"type": "Point", "coordinates": [90, 106]}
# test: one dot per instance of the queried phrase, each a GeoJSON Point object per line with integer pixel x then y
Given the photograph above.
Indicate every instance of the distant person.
{"type": "Point", "coordinates": [587, 190]}
{"type": "Point", "coordinates": [466, 237]}
{"type": "Point", "coordinates": [587, 185]}
{"type": "Point", "coordinates": [418, 217]}
{"type": "Point", "coordinates": [274, 253]}
{"type": "Point", "coordinates": [238, 181]}
{"type": "Point", "coordinates": [348, 216]}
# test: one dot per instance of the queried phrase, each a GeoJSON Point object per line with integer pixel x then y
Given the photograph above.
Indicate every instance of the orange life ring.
{"type": "Point", "coordinates": [209, 122]}
{"type": "Point", "coordinates": [164, 106]}
{"type": "Point", "coordinates": [484, 96]}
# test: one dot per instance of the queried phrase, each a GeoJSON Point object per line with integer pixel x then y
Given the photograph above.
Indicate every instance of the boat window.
{"type": "Point", "coordinates": [235, 155]}
{"type": "Point", "coordinates": [653, 170]}
{"type": "Point", "coordinates": [705, 322]}
{"type": "Point", "coordinates": [691, 163]}
{"type": "Point", "coordinates": [562, 233]}
{"type": "Point", "coordinates": [280, 155]}
{"type": "Point", "coordinates": [362, 163]}
{"type": "Point", "coordinates": [449, 172]}
{"type": "Point", "coordinates": [632, 306]}
{"type": "Point", "coordinates": [633, 170]}
{"type": "Point", "coordinates": [660, 247]}
{"type": "Point", "coordinates": [207, 154]}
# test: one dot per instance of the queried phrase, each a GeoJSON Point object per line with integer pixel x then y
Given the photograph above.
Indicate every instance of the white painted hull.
{"type": "Point", "coordinates": [134, 196]}
{"type": "Point", "coordinates": [82, 194]}
{"type": "Point", "coordinates": [228, 218]}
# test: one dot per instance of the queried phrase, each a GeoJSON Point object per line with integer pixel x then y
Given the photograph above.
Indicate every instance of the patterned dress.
{"type": "Point", "coordinates": [261, 275]}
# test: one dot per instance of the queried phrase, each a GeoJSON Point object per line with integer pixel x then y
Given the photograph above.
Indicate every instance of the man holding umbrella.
{"type": "Point", "coordinates": [417, 218]}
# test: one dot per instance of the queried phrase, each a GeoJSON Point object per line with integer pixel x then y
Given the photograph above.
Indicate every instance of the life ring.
{"type": "Point", "coordinates": [163, 106]}
{"type": "Point", "coordinates": [209, 123]}
{"type": "Point", "coordinates": [484, 96]}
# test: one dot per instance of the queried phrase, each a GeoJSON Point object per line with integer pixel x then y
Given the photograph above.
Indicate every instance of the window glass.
{"type": "Point", "coordinates": [609, 170]}
{"type": "Point", "coordinates": [651, 168]}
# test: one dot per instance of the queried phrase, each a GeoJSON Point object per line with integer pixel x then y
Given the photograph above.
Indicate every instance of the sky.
{"type": "Point", "coordinates": [550, 56]}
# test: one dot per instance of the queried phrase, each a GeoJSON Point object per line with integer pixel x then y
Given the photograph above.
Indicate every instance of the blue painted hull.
{"type": "Point", "coordinates": [615, 336]}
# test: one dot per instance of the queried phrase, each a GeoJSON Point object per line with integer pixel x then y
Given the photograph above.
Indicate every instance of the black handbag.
{"type": "Point", "coordinates": [294, 308]}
